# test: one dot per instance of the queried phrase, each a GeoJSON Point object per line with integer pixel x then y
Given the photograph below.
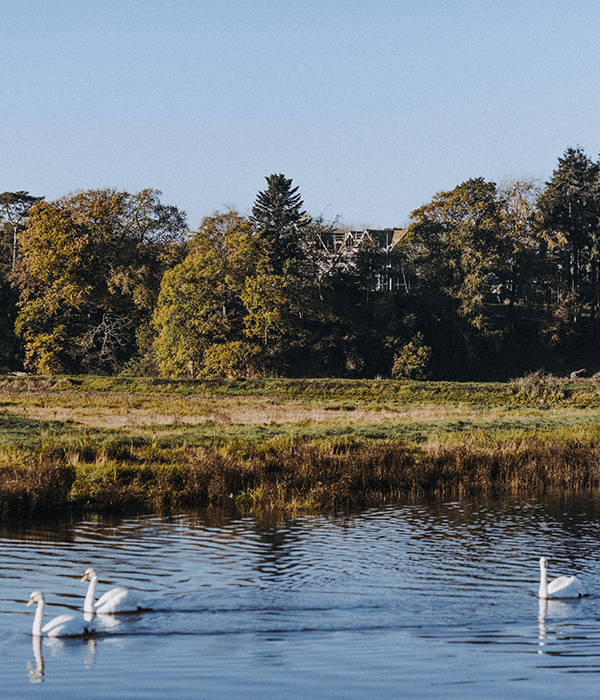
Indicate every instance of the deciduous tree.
{"type": "Point", "coordinates": [14, 207]}
{"type": "Point", "coordinates": [200, 304]}
{"type": "Point", "coordinates": [522, 261]}
{"type": "Point", "coordinates": [453, 244]}
{"type": "Point", "coordinates": [88, 276]}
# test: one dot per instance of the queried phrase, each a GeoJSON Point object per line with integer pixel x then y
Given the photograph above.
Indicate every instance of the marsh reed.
{"type": "Point", "coordinates": [298, 477]}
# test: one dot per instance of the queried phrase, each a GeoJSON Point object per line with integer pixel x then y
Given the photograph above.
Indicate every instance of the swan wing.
{"type": "Point", "coordinates": [118, 600]}
{"type": "Point", "coordinates": [112, 595]}
{"type": "Point", "coordinates": [565, 587]}
{"type": "Point", "coordinates": [67, 626]}
{"type": "Point", "coordinates": [56, 623]}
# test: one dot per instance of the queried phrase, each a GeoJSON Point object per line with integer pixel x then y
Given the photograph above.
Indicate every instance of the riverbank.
{"type": "Point", "coordinates": [89, 444]}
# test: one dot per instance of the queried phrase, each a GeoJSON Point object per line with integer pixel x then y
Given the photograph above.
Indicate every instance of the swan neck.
{"type": "Point", "coordinates": [37, 620]}
{"type": "Point", "coordinates": [543, 593]}
{"type": "Point", "coordinates": [88, 604]}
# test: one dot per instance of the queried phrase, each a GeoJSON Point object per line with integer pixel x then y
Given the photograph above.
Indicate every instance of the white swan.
{"type": "Point", "coordinates": [561, 587]}
{"type": "Point", "coordinates": [114, 601]}
{"type": "Point", "coordinates": [61, 626]}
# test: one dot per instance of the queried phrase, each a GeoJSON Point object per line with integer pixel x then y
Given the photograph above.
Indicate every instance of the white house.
{"type": "Point", "coordinates": [342, 247]}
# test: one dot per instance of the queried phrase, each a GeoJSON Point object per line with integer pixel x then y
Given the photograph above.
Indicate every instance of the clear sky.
{"type": "Point", "coordinates": [370, 106]}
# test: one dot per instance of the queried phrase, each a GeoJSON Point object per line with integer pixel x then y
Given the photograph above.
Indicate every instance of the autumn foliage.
{"type": "Point", "coordinates": [492, 281]}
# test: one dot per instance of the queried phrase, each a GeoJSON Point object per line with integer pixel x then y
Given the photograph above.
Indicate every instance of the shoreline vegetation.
{"type": "Point", "coordinates": [75, 445]}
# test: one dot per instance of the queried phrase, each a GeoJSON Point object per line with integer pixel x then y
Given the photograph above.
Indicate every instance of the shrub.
{"type": "Point", "coordinates": [540, 384]}
{"type": "Point", "coordinates": [234, 360]}
{"type": "Point", "coordinates": [412, 360]}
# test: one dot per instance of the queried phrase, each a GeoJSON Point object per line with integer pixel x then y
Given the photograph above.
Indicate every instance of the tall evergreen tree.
{"type": "Point", "coordinates": [278, 218]}
{"type": "Point", "coordinates": [570, 210]}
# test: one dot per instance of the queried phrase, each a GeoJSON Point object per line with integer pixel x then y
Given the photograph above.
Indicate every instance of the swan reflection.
{"type": "Point", "coordinates": [57, 646]}
{"type": "Point", "coordinates": [36, 674]}
{"type": "Point", "coordinates": [557, 608]}
{"type": "Point", "coordinates": [89, 653]}
{"type": "Point", "coordinates": [543, 609]}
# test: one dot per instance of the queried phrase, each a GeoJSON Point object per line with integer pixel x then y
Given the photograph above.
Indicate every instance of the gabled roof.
{"type": "Point", "coordinates": [386, 239]}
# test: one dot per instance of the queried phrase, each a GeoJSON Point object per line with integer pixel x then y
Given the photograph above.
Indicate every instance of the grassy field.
{"type": "Point", "coordinates": [70, 444]}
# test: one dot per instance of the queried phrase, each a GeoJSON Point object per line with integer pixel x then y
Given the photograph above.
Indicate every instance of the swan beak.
{"type": "Point", "coordinates": [85, 576]}
{"type": "Point", "coordinates": [30, 602]}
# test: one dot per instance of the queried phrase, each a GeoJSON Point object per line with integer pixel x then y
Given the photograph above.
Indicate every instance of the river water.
{"type": "Point", "coordinates": [433, 600]}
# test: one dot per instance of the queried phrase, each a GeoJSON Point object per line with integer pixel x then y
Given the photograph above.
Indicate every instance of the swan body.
{"type": "Point", "coordinates": [61, 626]}
{"type": "Point", "coordinates": [114, 601]}
{"type": "Point", "coordinates": [561, 587]}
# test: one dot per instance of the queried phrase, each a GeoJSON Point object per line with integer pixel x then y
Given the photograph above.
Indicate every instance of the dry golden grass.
{"type": "Point", "coordinates": [131, 413]}
{"type": "Point", "coordinates": [141, 414]}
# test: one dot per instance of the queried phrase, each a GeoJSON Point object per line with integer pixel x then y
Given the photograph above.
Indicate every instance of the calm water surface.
{"type": "Point", "coordinates": [435, 600]}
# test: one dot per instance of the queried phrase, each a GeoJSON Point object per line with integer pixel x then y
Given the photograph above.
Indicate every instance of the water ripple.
{"type": "Point", "coordinates": [459, 578]}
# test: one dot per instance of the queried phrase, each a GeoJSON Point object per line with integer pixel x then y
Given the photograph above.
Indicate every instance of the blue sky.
{"type": "Point", "coordinates": [371, 107]}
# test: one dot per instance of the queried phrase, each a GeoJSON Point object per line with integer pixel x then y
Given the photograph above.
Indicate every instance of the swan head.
{"type": "Point", "coordinates": [543, 562]}
{"type": "Point", "coordinates": [35, 597]}
{"type": "Point", "coordinates": [89, 575]}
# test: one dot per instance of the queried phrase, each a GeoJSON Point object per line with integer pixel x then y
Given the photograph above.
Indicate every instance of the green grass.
{"type": "Point", "coordinates": [336, 444]}
{"type": "Point", "coordinates": [335, 394]}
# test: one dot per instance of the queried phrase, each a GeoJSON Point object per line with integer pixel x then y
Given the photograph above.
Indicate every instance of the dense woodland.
{"type": "Point", "coordinates": [497, 281]}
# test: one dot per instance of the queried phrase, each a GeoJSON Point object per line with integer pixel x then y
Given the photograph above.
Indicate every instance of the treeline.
{"type": "Point", "coordinates": [490, 282]}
